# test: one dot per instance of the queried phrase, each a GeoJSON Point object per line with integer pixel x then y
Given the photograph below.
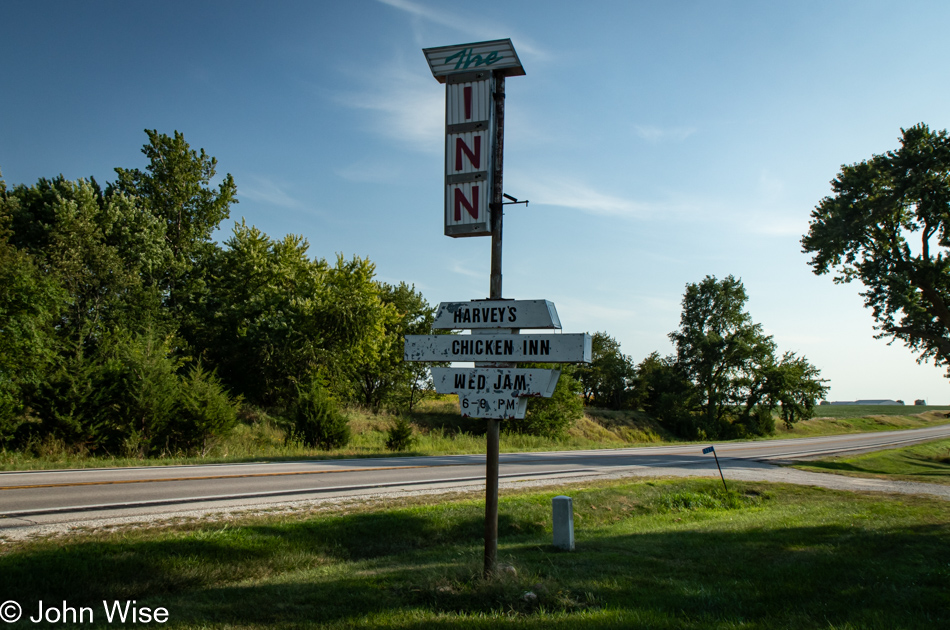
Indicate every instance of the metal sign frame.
{"type": "Point", "coordinates": [497, 56]}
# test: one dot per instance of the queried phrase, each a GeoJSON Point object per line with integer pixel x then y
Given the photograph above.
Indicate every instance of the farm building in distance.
{"type": "Point", "coordinates": [864, 402]}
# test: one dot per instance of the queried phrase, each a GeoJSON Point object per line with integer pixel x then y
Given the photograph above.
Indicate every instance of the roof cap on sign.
{"type": "Point", "coordinates": [498, 55]}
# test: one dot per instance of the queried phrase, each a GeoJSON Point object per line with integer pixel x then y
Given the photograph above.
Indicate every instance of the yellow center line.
{"type": "Point", "coordinates": [244, 476]}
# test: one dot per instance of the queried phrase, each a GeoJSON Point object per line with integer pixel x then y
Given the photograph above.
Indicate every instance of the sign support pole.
{"type": "Point", "coordinates": [497, 188]}
{"type": "Point", "coordinates": [493, 429]}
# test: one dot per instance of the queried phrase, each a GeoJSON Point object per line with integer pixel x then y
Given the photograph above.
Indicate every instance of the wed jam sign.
{"type": "Point", "coordinates": [468, 71]}
{"type": "Point", "coordinates": [495, 388]}
{"type": "Point", "coordinates": [501, 392]}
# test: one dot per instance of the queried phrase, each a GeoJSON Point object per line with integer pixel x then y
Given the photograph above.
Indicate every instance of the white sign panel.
{"type": "Point", "coordinates": [500, 347]}
{"type": "Point", "coordinates": [496, 314]}
{"type": "Point", "coordinates": [466, 154]}
{"type": "Point", "coordinates": [469, 154]}
{"type": "Point", "coordinates": [493, 55]}
{"type": "Point", "coordinates": [510, 382]}
{"type": "Point", "coordinates": [466, 209]}
{"type": "Point", "coordinates": [498, 407]}
{"type": "Point", "coordinates": [468, 100]}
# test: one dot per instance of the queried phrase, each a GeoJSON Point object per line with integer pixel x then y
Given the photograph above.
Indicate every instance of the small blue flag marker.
{"type": "Point", "coordinates": [707, 451]}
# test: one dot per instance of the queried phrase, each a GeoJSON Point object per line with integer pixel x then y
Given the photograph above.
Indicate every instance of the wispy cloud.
{"type": "Point", "coordinates": [568, 193]}
{"type": "Point", "coordinates": [267, 191]}
{"type": "Point", "coordinates": [459, 268]}
{"type": "Point", "coordinates": [404, 102]}
{"type": "Point", "coordinates": [655, 135]}
{"type": "Point", "coordinates": [467, 24]}
{"type": "Point", "coordinates": [407, 107]}
{"type": "Point", "coordinates": [755, 215]}
{"type": "Point", "coordinates": [774, 223]}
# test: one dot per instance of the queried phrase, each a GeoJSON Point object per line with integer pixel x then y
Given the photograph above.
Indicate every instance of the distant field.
{"type": "Point", "coordinates": [857, 411]}
{"type": "Point", "coordinates": [837, 420]}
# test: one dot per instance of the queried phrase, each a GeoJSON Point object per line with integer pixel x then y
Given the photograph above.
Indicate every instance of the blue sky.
{"type": "Point", "coordinates": [657, 142]}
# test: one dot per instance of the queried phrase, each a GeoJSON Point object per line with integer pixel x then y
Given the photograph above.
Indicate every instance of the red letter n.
{"type": "Point", "coordinates": [475, 157]}
{"type": "Point", "coordinates": [460, 200]}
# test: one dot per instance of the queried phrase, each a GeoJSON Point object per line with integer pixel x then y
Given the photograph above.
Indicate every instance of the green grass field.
{"type": "Point", "coordinates": [657, 554]}
{"type": "Point", "coordinates": [853, 411]}
{"type": "Point", "coordinates": [929, 462]}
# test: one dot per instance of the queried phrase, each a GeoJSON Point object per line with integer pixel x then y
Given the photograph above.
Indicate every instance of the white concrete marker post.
{"type": "Point", "coordinates": [563, 513]}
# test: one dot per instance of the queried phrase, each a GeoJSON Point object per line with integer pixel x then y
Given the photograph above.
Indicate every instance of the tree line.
{"type": "Point", "coordinates": [126, 328]}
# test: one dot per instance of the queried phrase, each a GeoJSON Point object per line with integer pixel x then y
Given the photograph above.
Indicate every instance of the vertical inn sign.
{"type": "Point", "coordinates": [468, 73]}
{"type": "Point", "coordinates": [468, 153]}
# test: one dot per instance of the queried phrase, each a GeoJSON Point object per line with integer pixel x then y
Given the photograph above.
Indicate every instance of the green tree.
{"type": "Point", "coordinates": [383, 378]}
{"type": "Point", "coordinates": [95, 248]}
{"type": "Point", "coordinates": [793, 386]}
{"type": "Point", "coordinates": [257, 320]}
{"type": "Point", "coordinates": [662, 389]}
{"type": "Point", "coordinates": [316, 418]}
{"type": "Point", "coordinates": [129, 395]}
{"type": "Point", "coordinates": [887, 225]}
{"type": "Point", "coordinates": [716, 344]}
{"type": "Point", "coordinates": [606, 379]}
{"type": "Point", "coordinates": [271, 317]}
{"type": "Point", "coordinates": [737, 381]}
{"type": "Point", "coordinates": [30, 303]}
{"type": "Point", "coordinates": [352, 318]}
{"type": "Point", "coordinates": [175, 189]}
{"type": "Point", "coordinates": [114, 371]}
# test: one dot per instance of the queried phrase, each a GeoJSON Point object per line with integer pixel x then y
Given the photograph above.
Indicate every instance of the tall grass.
{"type": "Point", "coordinates": [438, 429]}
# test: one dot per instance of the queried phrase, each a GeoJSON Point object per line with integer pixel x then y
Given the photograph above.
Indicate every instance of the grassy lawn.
{"type": "Point", "coordinates": [658, 554]}
{"type": "Point", "coordinates": [929, 462]}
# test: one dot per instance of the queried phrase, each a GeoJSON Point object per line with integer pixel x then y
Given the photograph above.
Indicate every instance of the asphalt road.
{"type": "Point", "coordinates": [35, 498]}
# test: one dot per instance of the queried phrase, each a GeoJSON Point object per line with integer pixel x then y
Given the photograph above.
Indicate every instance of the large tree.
{"type": "Point", "coordinates": [176, 189]}
{"type": "Point", "coordinates": [383, 377]}
{"type": "Point", "coordinates": [604, 382]}
{"type": "Point", "coordinates": [737, 380]}
{"type": "Point", "coordinates": [887, 224]}
{"type": "Point", "coordinates": [717, 343]}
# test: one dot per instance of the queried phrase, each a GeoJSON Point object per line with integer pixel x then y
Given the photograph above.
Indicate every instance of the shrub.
{"type": "Point", "coordinates": [203, 410]}
{"type": "Point", "coordinates": [317, 421]}
{"type": "Point", "coordinates": [128, 397]}
{"type": "Point", "coordinates": [399, 436]}
{"type": "Point", "coordinates": [552, 417]}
